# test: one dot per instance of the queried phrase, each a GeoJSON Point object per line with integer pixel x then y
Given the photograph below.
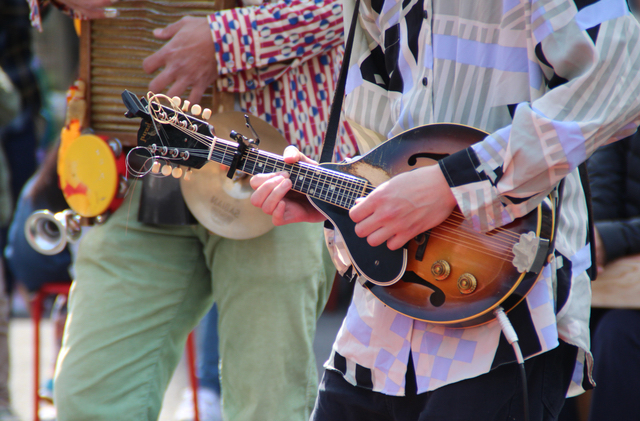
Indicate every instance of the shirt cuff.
{"type": "Point", "coordinates": [476, 196]}
{"type": "Point", "coordinates": [460, 168]}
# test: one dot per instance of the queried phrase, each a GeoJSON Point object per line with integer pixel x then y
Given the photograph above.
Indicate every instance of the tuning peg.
{"type": "Point", "coordinates": [177, 172]}
{"type": "Point", "coordinates": [187, 175]}
{"type": "Point", "coordinates": [196, 110]}
{"type": "Point", "coordinates": [166, 169]}
{"type": "Point", "coordinates": [206, 114]}
{"type": "Point", "coordinates": [155, 168]}
{"type": "Point", "coordinates": [176, 101]}
{"type": "Point", "coordinates": [185, 105]}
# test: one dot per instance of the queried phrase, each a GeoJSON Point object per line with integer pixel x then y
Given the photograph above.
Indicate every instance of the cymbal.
{"type": "Point", "coordinates": [270, 138]}
{"type": "Point", "coordinates": [220, 204]}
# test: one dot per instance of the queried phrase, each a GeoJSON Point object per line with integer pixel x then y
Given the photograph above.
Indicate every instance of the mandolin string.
{"type": "Point", "coordinates": [448, 227]}
{"type": "Point", "coordinates": [504, 256]}
{"type": "Point", "coordinates": [462, 234]}
{"type": "Point", "coordinates": [345, 184]}
{"type": "Point", "coordinates": [345, 179]}
{"type": "Point", "coordinates": [491, 239]}
{"type": "Point", "coordinates": [479, 250]}
{"type": "Point", "coordinates": [315, 175]}
{"type": "Point", "coordinates": [342, 183]}
{"type": "Point", "coordinates": [318, 174]}
{"type": "Point", "coordinates": [154, 98]}
{"type": "Point", "coordinates": [462, 231]}
{"type": "Point", "coordinates": [499, 234]}
{"type": "Point", "coordinates": [496, 231]}
{"type": "Point", "coordinates": [470, 233]}
{"type": "Point", "coordinates": [497, 238]}
{"type": "Point", "coordinates": [500, 242]}
{"type": "Point", "coordinates": [462, 217]}
{"type": "Point", "coordinates": [482, 243]}
{"type": "Point", "coordinates": [504, 235]}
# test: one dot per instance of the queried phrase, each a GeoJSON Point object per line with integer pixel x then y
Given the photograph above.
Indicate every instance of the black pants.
{"type": "Point", "coordinates": [616, 351]}
{"type": "Point", "coordinates": [496, 395]}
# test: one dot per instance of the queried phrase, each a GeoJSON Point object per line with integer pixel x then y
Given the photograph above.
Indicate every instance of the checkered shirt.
{"type": "Point", "coordinates": [551, 82]}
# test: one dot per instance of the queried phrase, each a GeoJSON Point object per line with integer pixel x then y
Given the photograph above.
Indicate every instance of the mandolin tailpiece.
{"type": "Point", "coordinates": [530, 253]}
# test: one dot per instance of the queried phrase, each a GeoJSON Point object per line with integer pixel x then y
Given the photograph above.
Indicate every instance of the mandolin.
{"type": "Point", "coordinates": [451, 275]}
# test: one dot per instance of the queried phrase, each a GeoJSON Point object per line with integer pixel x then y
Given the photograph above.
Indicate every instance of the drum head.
{"type": "Point", "coordinates": [88, 175]}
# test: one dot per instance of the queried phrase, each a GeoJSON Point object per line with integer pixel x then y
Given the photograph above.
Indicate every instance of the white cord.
{"type": "Point", "coordinates": [512, 338]}
{"type": "Point", "coordinates": [509, 333]}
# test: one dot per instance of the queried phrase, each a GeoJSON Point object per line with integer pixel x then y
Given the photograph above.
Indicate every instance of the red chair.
{"type": "Point", "coordinates": [56, 288]}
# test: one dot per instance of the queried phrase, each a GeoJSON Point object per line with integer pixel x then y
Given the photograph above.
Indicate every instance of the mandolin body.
{"type": "Point", "coordinates": [404, 279]}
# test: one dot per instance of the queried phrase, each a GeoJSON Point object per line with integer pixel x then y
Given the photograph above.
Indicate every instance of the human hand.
{"type": "Point", "coordinates": [91, 9]}
{"type": "Point", "coordinates": [187, 59]}
{"type": "Point", "coordinates": [403, 207]}
{"type": "Point", "coordinates": [274, 196]}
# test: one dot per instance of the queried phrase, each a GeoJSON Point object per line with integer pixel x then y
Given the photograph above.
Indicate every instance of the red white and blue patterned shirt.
{"type": "Point", "coordinates": [282, 60]}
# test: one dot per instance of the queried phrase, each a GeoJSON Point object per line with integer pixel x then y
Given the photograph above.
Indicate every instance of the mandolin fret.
{"type": "Point", "coordinates": [301, 179]}
{"type": "Point", "coordinates": [227, 152]}
{"type": "Point", "coordinates": [317, 182]}
{"type": "Point", "coordinates": [326, 186]}
{"type": "Point", "coordinates": [255, 164]}
{"type": "Point", "coordinates": [263, 164]}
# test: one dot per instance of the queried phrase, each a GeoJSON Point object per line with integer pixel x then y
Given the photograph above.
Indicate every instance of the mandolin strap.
{"type": "Point", "coordinates": [336, 106]}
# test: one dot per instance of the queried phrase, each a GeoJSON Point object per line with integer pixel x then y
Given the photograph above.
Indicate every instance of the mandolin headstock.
{"type": "Point", "coordinates": [170, 129]}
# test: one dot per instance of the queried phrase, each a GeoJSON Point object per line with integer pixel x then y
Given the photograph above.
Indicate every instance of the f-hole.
{"type": "Point", "coordinates": [437, 298]}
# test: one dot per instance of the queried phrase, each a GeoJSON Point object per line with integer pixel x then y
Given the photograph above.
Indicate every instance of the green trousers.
{"type": "Point", "coordinates": [139, 291]}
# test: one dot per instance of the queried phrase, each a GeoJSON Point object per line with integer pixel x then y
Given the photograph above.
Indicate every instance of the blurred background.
{"type": "Point", "coordinates": [55, 63]}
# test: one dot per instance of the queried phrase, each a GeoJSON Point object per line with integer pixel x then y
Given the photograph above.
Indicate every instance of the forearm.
{"type": "Point", "coordinates": [510, 172]}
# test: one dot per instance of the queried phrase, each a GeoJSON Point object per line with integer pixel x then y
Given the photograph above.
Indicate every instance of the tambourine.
{"type": "Point", "coordinates": [92, 173]}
